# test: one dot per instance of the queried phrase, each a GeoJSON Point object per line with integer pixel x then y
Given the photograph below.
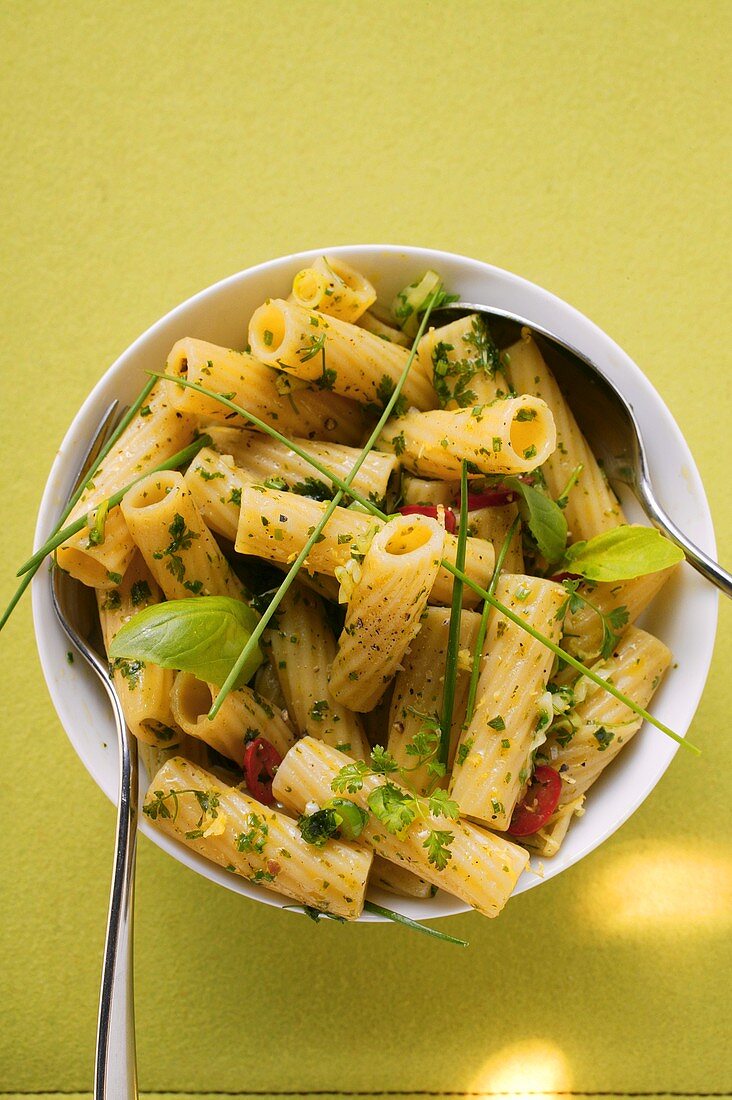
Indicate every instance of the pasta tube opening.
{"type": "Point", "coordinates": [152, 491]}
{"type": "Point", "coordinates": [406, 538]}
{"type": "Point", "coordinates": [531, 432]}
{"type": "Point", "coordinates": [309, 287]}
{"type": "Point", "coordinates": [192, 699]}
{"type": "Point", "coordinates": [268, 331]}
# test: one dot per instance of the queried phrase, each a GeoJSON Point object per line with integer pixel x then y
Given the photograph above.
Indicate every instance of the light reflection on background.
{"type": "Point", "coordinates": [523, 1068]}
{"type": "Point", "coordinates": [662, 885]}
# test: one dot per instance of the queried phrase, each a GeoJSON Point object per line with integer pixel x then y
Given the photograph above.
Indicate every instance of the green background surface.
{"type": "Point", "coordinates": [149, 149]}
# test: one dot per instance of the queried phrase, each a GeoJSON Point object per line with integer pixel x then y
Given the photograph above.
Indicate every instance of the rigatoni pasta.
{"type": "Point", "coordinates": [483, 868]}
{"type": "Point", "coordinates": [144, 689]}
{"type": "Point", "coordinates": [332, 286]}
{"type": "Point", "coordinates": [158, 432]}
{"type": "Point", "coordinates": [401, 730]}
{"type": "Point", "coordinates": [341, 357]}
{"type": "Point", "coordinates": [302, 649]}
{"type": "Point", "coordinates": [263, 846]}
{"type": "Point", "coordinates": [267, 393]}
{"type": "Point", "coordinates": [591, 506]}
{"type": "Point", "coordinates": [510, 436]}
{"type": "Point", "coordinates": [178, 548]}
{"type": "Point", "coordinates": [385, 608]}
{"type": "Point", "coordinates": [493, 760]}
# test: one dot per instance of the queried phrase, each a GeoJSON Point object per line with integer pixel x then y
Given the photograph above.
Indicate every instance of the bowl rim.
{"type": "Point", "coordinates": [48, 510]}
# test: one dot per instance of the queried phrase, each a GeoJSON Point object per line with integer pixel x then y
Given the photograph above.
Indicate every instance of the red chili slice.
{"type": "Point", "coordinates": [261, 761]}
{"type": "Point", "coordinates": [431, 511]}
{"type": "Point", "coordinates": [490, 500]}
{"type": "Point", "coordinates": [538, 804]}
{"type": "Point", "coordinates": [559, 577]}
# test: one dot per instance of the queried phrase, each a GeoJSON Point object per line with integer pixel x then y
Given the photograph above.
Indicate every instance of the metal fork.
{"type": "Point", "coordinates": [115, 1072]}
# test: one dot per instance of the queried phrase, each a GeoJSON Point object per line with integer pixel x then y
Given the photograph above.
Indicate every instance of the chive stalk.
{"type": "Point", "coordinates": [399, 918]}
{"type": "Point", "coordinates": [453, 637]}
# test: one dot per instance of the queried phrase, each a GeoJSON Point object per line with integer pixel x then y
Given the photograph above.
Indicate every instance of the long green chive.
{"type": "Point", "coordinates": [482, 628]}
{"type": "Point", "coordinates": [563, 498]}
{"type": "Point", "coordinates": [399, 918]}
{"type": "Point", "coordinates": [182, 458]}
{"type": "Point", "coordinates": [330, 508]}
{"type": "Point", "coordinates": [76, 495]}
{"type": "Point", "coordinates": [371, 507]}
{"type": "Point", "coordinates": [453, 637]}
{"type": "Point", "coordinates": [568, 659]}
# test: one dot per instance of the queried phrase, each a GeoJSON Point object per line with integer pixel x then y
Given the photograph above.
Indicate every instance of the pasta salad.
{"type": "Point", "coordinates": [368, 599]}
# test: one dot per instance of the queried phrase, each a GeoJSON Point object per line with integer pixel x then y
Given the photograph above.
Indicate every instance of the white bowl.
{"type": "Point", "coordinates": [685, 619]}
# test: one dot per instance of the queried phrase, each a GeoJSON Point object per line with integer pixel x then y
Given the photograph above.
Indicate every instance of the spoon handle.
{"type": "Point", "coordinates": [705, 565]}
{"type": "Point", "coordinates": [115, 1073]}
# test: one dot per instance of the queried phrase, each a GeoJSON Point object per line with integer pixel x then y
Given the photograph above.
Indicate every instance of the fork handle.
{"type": "Point", "coordinates": [115, 1073]}
{"type": "Point", "coordinates": [696, 557]}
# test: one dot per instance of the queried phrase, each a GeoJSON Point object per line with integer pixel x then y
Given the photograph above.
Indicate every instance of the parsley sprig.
{"type": "Point", "coordinates": [397, 807]}
{"type": "Point", "coordinates": [158, 807]}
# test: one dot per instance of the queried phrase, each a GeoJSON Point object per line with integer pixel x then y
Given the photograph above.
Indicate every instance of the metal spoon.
{"type": "Point", "coordinates": [115, 1074]}
{"type": "Point", "coordinates": [606, 418]}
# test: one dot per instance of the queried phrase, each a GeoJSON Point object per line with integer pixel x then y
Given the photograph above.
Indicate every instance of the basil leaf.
{"type": "Point", "coordinates": [544, 518]}
{"type": "Point", "coordinates": [623, 553]}
{"type": "Point", "coordinates": [203, 635]}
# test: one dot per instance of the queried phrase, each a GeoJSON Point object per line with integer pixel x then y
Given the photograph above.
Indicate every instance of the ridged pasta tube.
{"type": "Point", "coordinates": [302, 649]}
{"type": "Point", "coordinates": [158, 431]}
{"type": "Point", "coordinates": [385, 608]}
{"type": "Point", "coordinates": [267, 683]}
{"type": "Point", "coordinates": [583, 629]}
{"type": "Point", "coordinates": [493, 524]}
{"type": "Point", "coordinates": [262, 458]}
{"type": "Point", "coordinates": [346, 358]}
{"type": "Point", "coordinates": [275, 526]}
{"type": "Point", "coordinates": [398, 880]}
{"type": "Point", "coordinates": [592, 506]}
{"type": "Point", "coordinates": [493, 760]}
{"type": "Point", "coordinates": [507, 437]}
{"type": "Point", "coordinates": [180, 551]}
{"type": "Point", "coordinates": [419, 685]}
{"type": "Point", "coordinates": [152, 757]}
{"type": "Point", "coordinates": [265, 847]}
{"type": "Point", "coordinates": [483, 868]}
{"type": "Point", "coordinates": [266, 393]}
{"type": "Point", "coordinates": [384, 331]}
{"type": "Point", "coordinates": [216, 484]}
{"type": "Point", "coordinates": [243, 716]}
{"type": "Point", "coordinates": [428, 491]}
{"type": "Point", "coordinates": [456, 358]}
{"type": "Point", "coordinates": [602, 724]}
{"type": "Point", "coordinates": [143, 689]}
{"type": "Point", "coordinates": [332, 286]}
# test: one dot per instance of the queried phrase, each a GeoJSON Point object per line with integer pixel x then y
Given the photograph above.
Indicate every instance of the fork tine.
{"type": "Point", "coordinates": [103, 433]}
